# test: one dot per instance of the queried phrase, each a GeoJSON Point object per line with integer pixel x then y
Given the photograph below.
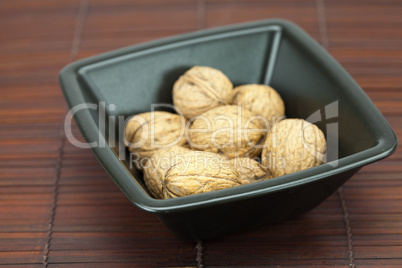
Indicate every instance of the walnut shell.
{"type": "Point", "coordinates": [157, 165]}
{"type": "Point", "coordinates": [199, 172]}
{"type": "Point", "coordinates": [250, 170]}
{"type": "Point", "coordinates": [201, 89]}
{"type": "Point", "coordinates": [260, 99]}
{"type": "Point", "coordinates": [228, 130]}
{"type": "Point", "coordinates": [293, 145]}
{"type": "Point", "coordinates": [147, 132]}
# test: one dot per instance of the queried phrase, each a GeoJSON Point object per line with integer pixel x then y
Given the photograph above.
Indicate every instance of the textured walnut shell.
{"type": "Point", "coordinates": [147, 132]}
{"type": "Point", "coordinates": [157, 165]}
{"type": "Point", "coordinates": [260, 99]}
{"type": "Point", "coordinates": [199, 172]}
{"type": "Point", "coordinates": [228, 130]}
{"type": "Point", "coordinates": [250, 170]}
{"type": "Point", "coordinates": [201, 89]}
{"type": "Point", "coordinates": [293, 145]}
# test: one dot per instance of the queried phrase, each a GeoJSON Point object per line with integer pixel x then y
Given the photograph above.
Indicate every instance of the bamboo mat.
{"type": "Point", "coordinates": [59, 208]}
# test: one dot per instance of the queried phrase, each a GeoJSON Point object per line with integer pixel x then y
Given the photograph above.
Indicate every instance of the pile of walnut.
{"type": "Point", "coordinates": [221, 137]}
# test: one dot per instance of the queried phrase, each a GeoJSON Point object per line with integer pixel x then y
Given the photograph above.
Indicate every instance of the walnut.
{"type": "Point", "coordinates": [260, 99]}
{"type": "Point", "coordinates": [199, 172]}
{"type": "Point", "coordinates": [250, 170]}
{"type": "Point", "coordinates": [147, 132]}
{"type": "Point", "coordinates": [228, 130]}
{"type": "Point", "coordinates": [200, 89]}
{"type": "Point", "coordinates": [293, 145]}
{"type": "Point", "coordinates": [157, 165]}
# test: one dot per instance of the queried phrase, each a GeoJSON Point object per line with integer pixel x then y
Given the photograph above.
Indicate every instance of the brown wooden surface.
{"type": "Point", "coordinates": [58, 207]}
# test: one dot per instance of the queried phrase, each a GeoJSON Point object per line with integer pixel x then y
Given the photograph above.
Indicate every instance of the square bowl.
{"type": "Point", "coordinates": [104, 90]}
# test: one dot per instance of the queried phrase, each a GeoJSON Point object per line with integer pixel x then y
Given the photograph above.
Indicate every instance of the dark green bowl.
{"type": "Point", "coordinates": [276, 52]}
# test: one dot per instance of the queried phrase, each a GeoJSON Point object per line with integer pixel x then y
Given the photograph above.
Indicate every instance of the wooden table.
{"type": "Point", "coordinates": [59, 208]}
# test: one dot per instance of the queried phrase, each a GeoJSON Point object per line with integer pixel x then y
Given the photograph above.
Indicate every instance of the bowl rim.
{"type": "Point", "coordinates": [69, 82]}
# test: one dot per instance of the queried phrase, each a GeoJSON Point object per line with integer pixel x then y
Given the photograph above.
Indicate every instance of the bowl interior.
{"type": "Point", "coordinates": [133, 82]}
